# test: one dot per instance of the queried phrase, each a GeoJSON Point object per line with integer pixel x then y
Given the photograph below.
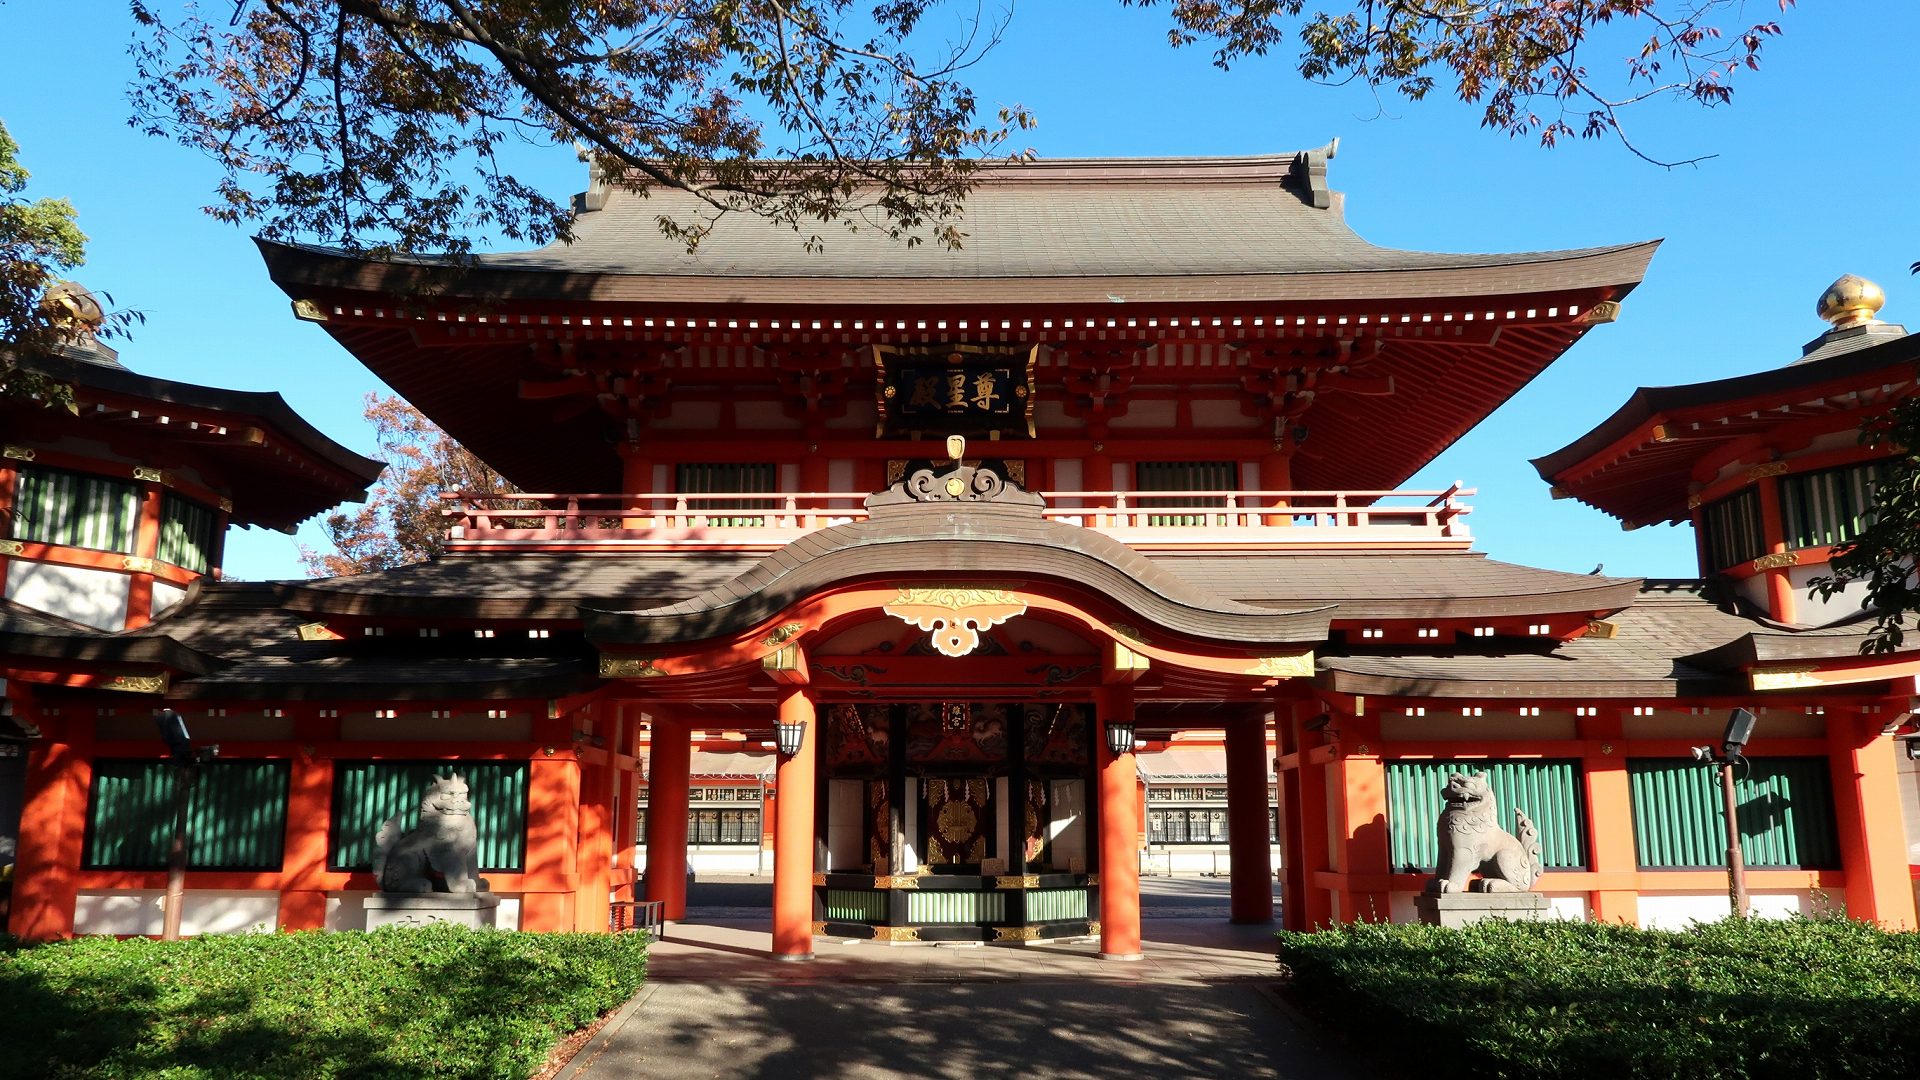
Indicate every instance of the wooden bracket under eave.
{"type": "Point", "coordinates": [1124, 665]}
{"type": "Point", "coordinates": [786, 665]}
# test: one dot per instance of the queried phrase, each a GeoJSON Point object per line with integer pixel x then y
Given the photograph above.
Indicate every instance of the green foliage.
{"type": "Point", "coordinates": [436, 1001]}
{"type": "Point", "coordinates": [39, 242]}
{"type": "Point", "coordinates": [1737, 998]}
{"type": "Point", "coordinates": [1883, 555]}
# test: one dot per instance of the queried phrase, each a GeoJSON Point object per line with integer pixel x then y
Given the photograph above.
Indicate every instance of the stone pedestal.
{"type": "Point", "coordinates": [1466, 908]}
{"type": "Point", "coordinates": [474, 910]}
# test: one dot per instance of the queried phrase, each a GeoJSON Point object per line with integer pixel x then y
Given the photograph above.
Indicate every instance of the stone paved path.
{"type": "Point", "coordinates": [1199, 1005]}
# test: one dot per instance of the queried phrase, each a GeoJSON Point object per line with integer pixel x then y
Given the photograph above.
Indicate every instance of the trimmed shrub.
{"type": "Point", "coordinates": [1737, 998]}
{"type": "Point", "coordinates": [428, 1002]}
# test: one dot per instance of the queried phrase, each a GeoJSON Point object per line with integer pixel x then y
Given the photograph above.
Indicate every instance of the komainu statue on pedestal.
{"type": "Point", "coordinates": [444, 841]}
{"type": "Point", "coordinates": [1471, 840]}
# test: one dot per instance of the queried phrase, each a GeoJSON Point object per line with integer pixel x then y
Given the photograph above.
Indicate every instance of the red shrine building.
{"type": "Point", "coordinates": [953, 587]}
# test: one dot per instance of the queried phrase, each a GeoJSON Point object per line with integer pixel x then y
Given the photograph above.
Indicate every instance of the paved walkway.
{"type": "Point", "coordinates": [1199, 1005]}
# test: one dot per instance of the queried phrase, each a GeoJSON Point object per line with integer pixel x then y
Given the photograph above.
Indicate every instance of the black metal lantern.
{"type": "Point", "coordinates": [789, 737]}
{"type": "Point", "coordinates": [1120, 737]}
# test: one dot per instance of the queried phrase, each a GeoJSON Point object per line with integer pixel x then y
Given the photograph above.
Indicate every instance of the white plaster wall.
{"type": "Point", "coordinates": [1677, 911]}
{"type": "Point", "coordinates": [165, 596]}
{"type": "Point", "coordinates": [741, 859]}
{"type": "Point", "coordinates": [97, 598]}
{"type": "Point", "coordinates": [1212, 860]}
{"type": "Point", "coordinates": [845, 810]}
{"type": "Point", "coordinates": [348, 911]}
{"type": "Point", "coordinates": [1067, 805]}
{"type": "Point", "coordinates": [202, 911]}
{"type": "Point", "coordinates": [1909, 800]}
{"type": "Point", "coordinates": [1814, 611]}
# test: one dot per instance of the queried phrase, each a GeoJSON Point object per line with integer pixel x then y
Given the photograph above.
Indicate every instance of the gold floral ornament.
{"type": "Point", "coordinates": [955, 616]}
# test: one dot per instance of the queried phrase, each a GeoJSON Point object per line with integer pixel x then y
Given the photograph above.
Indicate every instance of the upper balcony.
{"type": "Point", "coordinates": [1158, 520]}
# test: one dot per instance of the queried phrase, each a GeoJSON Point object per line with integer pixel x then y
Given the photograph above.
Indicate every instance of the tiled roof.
{"type": "Point", "coordinates": [1655, 653]}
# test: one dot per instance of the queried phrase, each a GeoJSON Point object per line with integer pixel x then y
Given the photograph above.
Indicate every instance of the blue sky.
{"type": "Point", "coordinates": [1813, 178]}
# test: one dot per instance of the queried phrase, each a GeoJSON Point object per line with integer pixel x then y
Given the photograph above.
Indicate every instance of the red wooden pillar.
{"type": "Point", "coordinates": [53, 825]}
{"type": "Point", "coordinates": [1609, 817]}
{"type": "Point", "coordinates": [1773, 527]}
{"type": "Point", "coordinates": [793, 828]}
{"type": "Point", "coordinates": [553, 830]}
{"type": "Point", "coordinates": [626, 800]}
{"type": "Point", "coordinates": [1866, 796]}
{"type": "Point", "coordinates": [1119, 833]}
{"type": "Point", "coordinates": [303, 894]}
{"type": "Point", "coordinates": [670, 762]}
{"type": "Point", "coordinates": [1250, 853]}
{"type": "Point", "coordinates": [146, 545]}
{"type": "Point", "coordinates": [592, 880]}
{"type": "Point", "coordinates": [1358, 798]}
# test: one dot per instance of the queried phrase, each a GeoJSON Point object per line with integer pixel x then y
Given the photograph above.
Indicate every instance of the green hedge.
{"type": "Point", "coordinates": [430, 1002]}
{"type": "Point", "coordinates": [1737, 998]}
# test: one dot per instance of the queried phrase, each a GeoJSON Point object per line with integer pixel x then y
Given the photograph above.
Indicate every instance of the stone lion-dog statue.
{"type": "Point", "coordinates": [1472, 841]}
{"type": "Point", "coordinates": [444, 841]}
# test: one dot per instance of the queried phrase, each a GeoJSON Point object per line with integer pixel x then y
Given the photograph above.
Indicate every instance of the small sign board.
{"type": "Point", "coordinates": [926, 391]}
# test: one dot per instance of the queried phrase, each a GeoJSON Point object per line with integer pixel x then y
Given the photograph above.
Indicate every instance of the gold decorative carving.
{"type": "Point", "coordinates": [1093, 879]}
{"type": "Point", "coordinates": [226, 505]}
{"type": "Point", "coordinates": [1771, 468]}
{"type": "Point", "coordinates": [1129, 632]}
{"type": "Point", "coordinates": [819, 879]}
{"type": "Point", "coordinates": [819, 929]}
{"type": "Point", "coordinates": [955, 615]}
{"type": "Point", "coordinates": [897, 881]}
{"type": "Point", "coordinates": [628, 667]}
{"type": "Point", "coordinates": [1016, 933]}
{"type": "Point", "coordinates": [957, 822]}
{"type": "Point", "coordinates": [308, 311]}
{"type": "Point", "coordinates": [1093, 928]}
{"type": "Point", "coordinates": [1694, 502]}
{"type": "Point", "coordinates": [783, 635]}
{"type": "Point", "coordinates": [1017, 881]}
{"type": "Point", "coordinates": [1284, 667]}
{"type": "Point", "coordinates": [1776, 560]}
{"type": "Point", "coordinates": [890, 391]}
{"type": "Point", "coordinates": [136, 564]}
{"type": "Point", "coordinates": [11, 547]}
{"type": "Point", "coordinates": [141, 472]}
{"type": "Point", "coordinates": [18, 453]}
{"type": "Point", "coordinates": [786, 658]}
{"type": "Point", "coordinates": [1557, 492]}
{"type": "Point", "coordinates": [1605, 311]}
{"type": "Point", "coordinates": [1606, 749]}
{"type": "Point", "coordinates": [1601, 628]}
{"type": "Point", "coordinates": [896, 933]}
{"type": "Point", "coordinates": [1783, 678]}
{"type": "Point", "coordinates": [896, 469]}
{"type": "Point", "coordinates": [1661, 433]}
{"type": "Point", "coordinates": [136, 684]}
{"type": "Point", "coordinates": [317, 631]}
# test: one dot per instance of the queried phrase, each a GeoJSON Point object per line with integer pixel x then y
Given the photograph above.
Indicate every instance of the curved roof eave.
{"type": "Point", "coordinates": [1649, 404]}
{"type": "Point", "coordinates": [889, 548]}
{"type": "Point", "coordinates": [1459, 277]}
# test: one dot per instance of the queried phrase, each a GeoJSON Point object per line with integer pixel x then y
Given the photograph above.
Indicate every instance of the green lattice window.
{"type": "Point", "coordinates": [54, 506]}
{"type": "Point", "coordinates": [189, 532]}
{"type": "Point", "coordinates": [728, 478]}
{"type": "Point", "coordinates": [236, 815]}
{"type": "Point", "coordinates": [1184, 476]}
{"type": "Point", "coordinates": [367, 793]}
{"type": "Point", "coordinates": [1784, 807]}
{"type": "Point", "coordinates": [1828, 507]}
{"type": "Point", "coordinates": [1732, 525]}
{"type": "Point", "coordinates": [1549, 792]}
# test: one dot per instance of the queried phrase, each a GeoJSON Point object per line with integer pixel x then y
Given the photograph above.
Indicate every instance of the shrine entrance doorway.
{"type": "Point", "coordinates": [957, 821]}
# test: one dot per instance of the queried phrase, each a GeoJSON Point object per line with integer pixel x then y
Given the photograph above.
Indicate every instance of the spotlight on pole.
{"type": "Point", "coordinates": [1732, 744]}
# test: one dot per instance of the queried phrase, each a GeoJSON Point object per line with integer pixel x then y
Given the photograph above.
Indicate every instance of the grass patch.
{"type": "Point", "coordinates": [1738, 998]}
{"type": "Point", "coordinates": [428, 1002]}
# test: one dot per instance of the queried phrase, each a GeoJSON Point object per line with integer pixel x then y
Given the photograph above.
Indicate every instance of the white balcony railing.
{"type": "Point", "coordinates": [1172, 519]}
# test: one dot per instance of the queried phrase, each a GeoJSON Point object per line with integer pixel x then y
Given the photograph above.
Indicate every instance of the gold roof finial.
{"type": "Point", "coordinates": [1851, 301]}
